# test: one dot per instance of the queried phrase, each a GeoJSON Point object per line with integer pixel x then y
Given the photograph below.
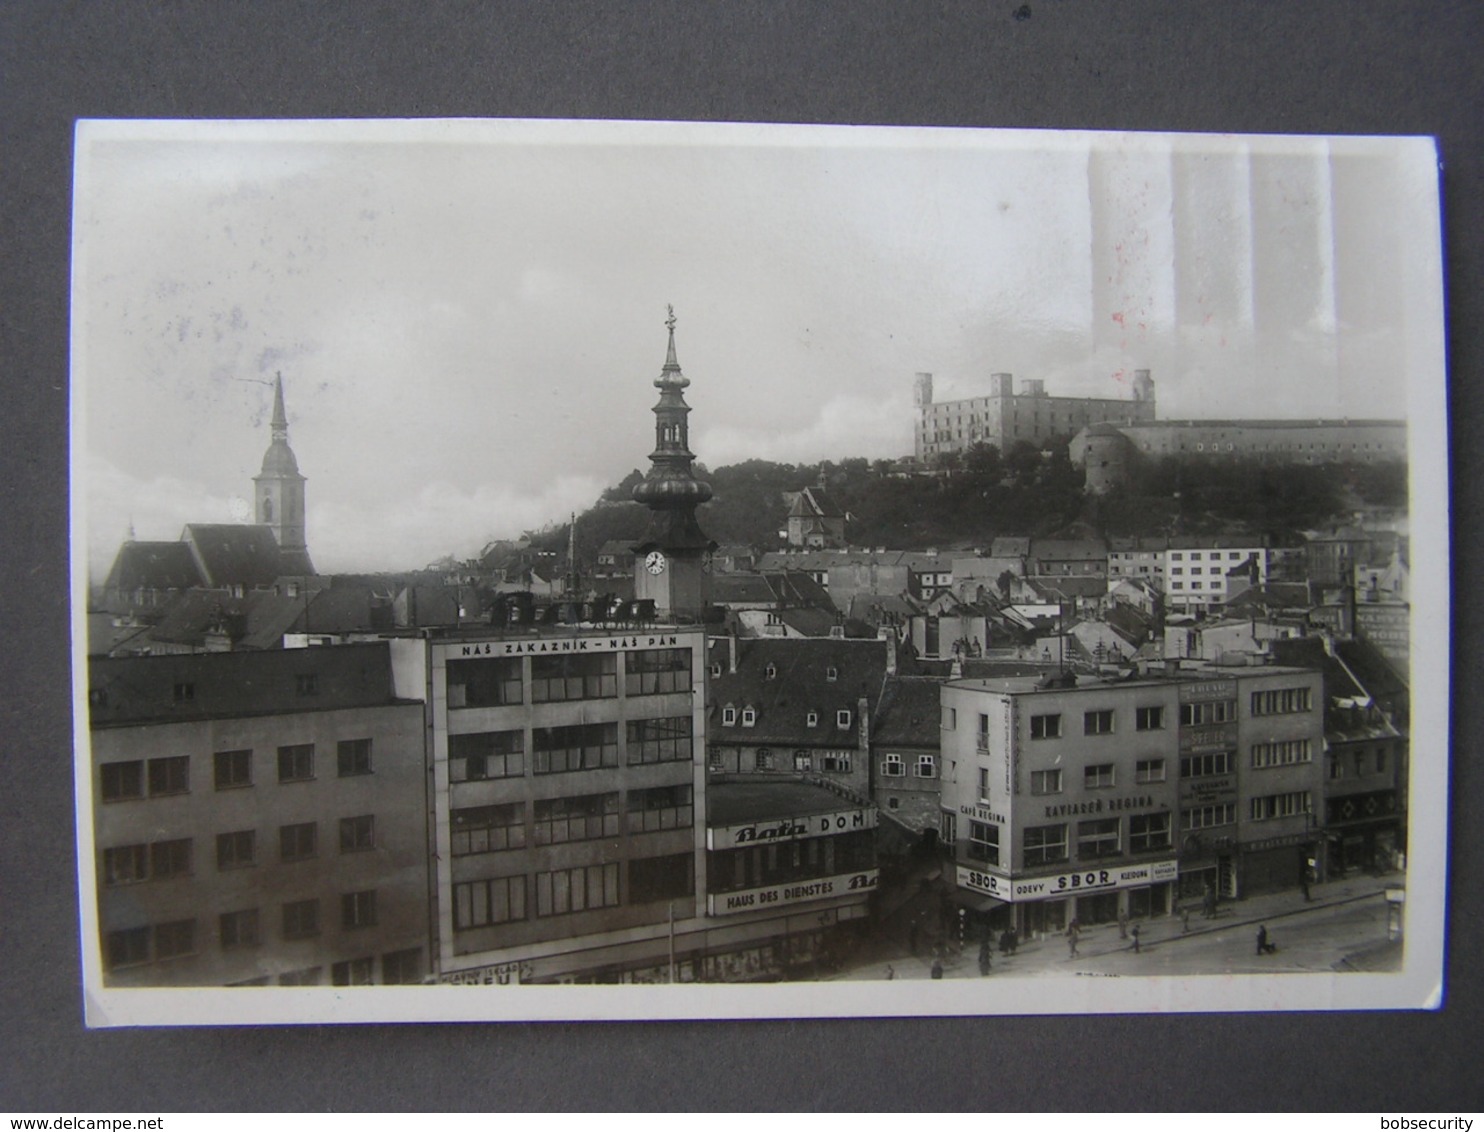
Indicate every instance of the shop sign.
{"type": "Point", "coordinates": [534, 645]}
{"type": "Point", "coordinates": [1100, 806]}
{"type": "Point", "coordinates": [1066, 884]}
{"type": "Point", "coordinates": [1276, 842]}
{"type": "Point", "coordinates": [1198, 690]}
{"type": "Point", "coordinates": [793, 892]}
{"type": "Point", "coordinates": [790, 829]}
{"type": "Point", "coordinates": [1207, 791]}
{"type": "Point", "coordinates": [979, 813]}
{"type": "Point", "coordinates": [1209, 737]}
{"type": "Point", "coordinates": [495, 975]}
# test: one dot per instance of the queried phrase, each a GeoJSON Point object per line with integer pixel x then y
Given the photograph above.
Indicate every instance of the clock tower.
{"type": "Point", "coordinates": [672, 561]}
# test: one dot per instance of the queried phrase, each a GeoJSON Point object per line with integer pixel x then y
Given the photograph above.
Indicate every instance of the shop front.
{"type": "Point", "coordinates": [1044, 905]}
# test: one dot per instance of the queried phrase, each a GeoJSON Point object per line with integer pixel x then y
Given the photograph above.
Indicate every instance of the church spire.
{"type": "Point", "coordinates": [278, 491]}
{"type": "Point", "coordinates": [280, 425]}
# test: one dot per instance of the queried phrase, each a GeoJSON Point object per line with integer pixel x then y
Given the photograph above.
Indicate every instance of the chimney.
{"type": "Point", "coordinates": [889, 635]}
{"type": "Point", "coordinates": [732, 650]}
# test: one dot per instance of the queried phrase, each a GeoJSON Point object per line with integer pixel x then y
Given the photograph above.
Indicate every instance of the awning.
{"type": "Point", "coordinates": [977, 901]}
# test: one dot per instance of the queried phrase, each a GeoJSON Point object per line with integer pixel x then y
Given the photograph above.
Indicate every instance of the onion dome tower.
{"type": "Point", "coordinates": [672, 561]}
{"type": "Point", "coordinates": [278, 493]}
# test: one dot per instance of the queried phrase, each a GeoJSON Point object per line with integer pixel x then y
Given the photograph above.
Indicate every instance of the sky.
{"type": "Point", "coordinates": [468, 316]}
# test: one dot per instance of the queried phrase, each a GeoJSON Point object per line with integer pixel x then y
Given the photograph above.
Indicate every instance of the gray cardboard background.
{"type": "Point", "coordinates": [1323, 66]}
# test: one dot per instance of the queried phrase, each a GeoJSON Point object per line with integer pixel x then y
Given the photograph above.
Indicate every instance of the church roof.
{"type": "Point", "coordinates": [153, 566]}
{"type": "Point", "coordinates": [235, 554]}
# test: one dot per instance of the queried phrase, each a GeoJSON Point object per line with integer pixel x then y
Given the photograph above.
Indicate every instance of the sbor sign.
{"type": "Point", "coordinates": [794, 892]}
{"type": "Point", "coordinates": [790, 829]}
{"type": "Point", "coordinates": [1066, 884]}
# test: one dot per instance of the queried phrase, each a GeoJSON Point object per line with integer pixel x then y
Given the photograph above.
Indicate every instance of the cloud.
{"type": "Point", "coordinates": [844, 426]}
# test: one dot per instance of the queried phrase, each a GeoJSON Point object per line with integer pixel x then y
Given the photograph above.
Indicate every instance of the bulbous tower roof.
{"type": "Point", "coordinates": [279, 459]}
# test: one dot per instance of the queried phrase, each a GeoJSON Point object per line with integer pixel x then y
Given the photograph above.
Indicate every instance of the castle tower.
{"type": "Point", "coordinates": [671, 562]}
{"type": "Point", "coordinates": [922, 391]}
{"type": "Point", "coordinates": [278, 492]}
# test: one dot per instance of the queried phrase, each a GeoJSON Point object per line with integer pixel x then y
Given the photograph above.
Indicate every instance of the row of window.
{"type": "Point", "coordinates": [483, 755]}
{"type": "Point", "coordinates": [554, 821]}
{"type": "Point", "coordinates": [1359, 762]}
{"type": "Point", "coordinates": [397, 967]}
{"type": "Point", "coordinates": [499, 900]}
{"type": "Point", "coordinates": [730, 717]}
{"type": "Point", "coordinates": [1099, 722]}
{"type": "Point", "coordinates": [497, 681]}
{"type": "Point", "coordinates": [125, 781]}
{"type": "Point", "coordinates": [299, 919]}
{"type": "Point", "coordinates": [767, 759]}
{"type": "Point", "coordinates": [1096, 839]}
{"type": "Point", "coordinates": [895, 766]}
{"type": "Point", "coordinates": [161, 860]}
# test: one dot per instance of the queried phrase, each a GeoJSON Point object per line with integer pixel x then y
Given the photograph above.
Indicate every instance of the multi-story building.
{"type": "Point", "coordinates": [258, 817]}
{"type": "Point", "coordinates": [1003, 417]}
{"type": "Point", "coordinates": [1070, 798]}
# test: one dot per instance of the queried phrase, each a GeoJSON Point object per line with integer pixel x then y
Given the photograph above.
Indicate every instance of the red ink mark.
{"type": "Point", "coordinates": [1118, 317]}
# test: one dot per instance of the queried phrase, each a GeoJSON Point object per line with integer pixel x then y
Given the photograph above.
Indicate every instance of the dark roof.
{"type": "Point", "coordinates": [732, 803]}
{"type": "Point", "coordinates": [235, 554]}
{"type": "Point", "coordinates": [824, 503]}
{"type": "Point", "coordinates": [800, 684]}
{"type": "Point", "coordinates": [740, 587]}
{"type": "Point", "coordinates": [199, 686]}
{"type": "Point", "coordinates": [910, 713]}
{"type": "Point", "coordinates": [153, 566]}
{"type": "Point", "coordinates": [1273, 595]}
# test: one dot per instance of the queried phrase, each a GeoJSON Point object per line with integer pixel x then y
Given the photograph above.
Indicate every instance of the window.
{"type": "Point", "coordinates": [659, 740]}
{"type": "Point", "coordinates": [304, 977]}
{"type": "Point", "coordinates": [950, 719]}
{"type": "Point", "coordinates": [296, 763]}
{"type": "Point", "coordinates": [1045, 727]}
{"type": "Point", "coordinates": [486, 754]}
{"type": "Point", "coordinates": [729, 716]}
{"type": "Point", "coordinates": [927, 766]}
{"type": "Point", "coordinates": [233, 769]}
{"type": "Point", "coordinates": [749, 717]}
{"type": "Point", "coordinates": [1147, 832]}
{"type": "Point", "coordinates": [170, 858]}
{"type": "Point", "coordinates": [1099, 776]}
{"type": "Point", "coordinates": [803, 760]}
{"type": "Point", "coordinates": [1046, 782]}
{"type": "Point", "coordinates": [661, 878]}
{"type": "Point", "coordinates": [170, 776]}
{"type": "Point", "coordinates": [652, 672]}
{"type": "Point", "coordinates": [771, 672]}
{"type": "Point", "coordinates": [122, 781]}
{"type": "Point", "coordinates": [487, 829]}
{"type": "Point", "coordinates": [486, 682]}
{"type": "Point", "coordinates": [576, 890]}
{"type": "Point", "coordinates": [1045, 844]}
{"type": "Point", "coordinates": [354, 972]}
{"type": "Point", "coordinates": [402, 967]}
{"type": "Point", "coordinates": [983, 783]}
{"type": "Point", "coordinates": [1149, 718]}
{"type": "Point", "coordinates": [480, 903]}
{"type": "Point", "coordinates": [175, 939]}
{"type": "Point", "coordinates": [1205, 817]}
{"type": "Point", "coordinates": [298, 842]}
{"type": "Point", "coordinates": [582, 818]}
{"type": "Point", "coordinates": [836, 762]}
{"type": "Point", "coordinates": [560, 678]}
{"type": "Point", "coordinates": [125, 864]}
{"type": "Point", "coordinates": [1098, 838]}
{"type": "Point", "coordinates": [1380, 760]}
{"type": "Point", "coordinates": [1281, 701]}
{"type": "Point", "coordinates": [831, 674]}
{"type": "Point", "coordinates": [982, 740]}
{"type": "Point", "coordinates": [1217, 711]}
{"type": "Point", "coordinates": [1149, 770]}
{"type": "Point", "coordinates": [1097, 722]}
{"type": "Point", "coordinates": [307, 684]}
{"type": "Point", "coordinates": [811, 719]}
{"type": "Point", "coordinates": [127, 948]}
{"type": "Point", "coordinates": [1270, 806]}
{"type": "Point", "coordinates": [352, 757]}
{"type": "Point", "coordinates": [842, 719]}
{"type": "Point", "coordinates": [358, 909]}
{"type": "Point", "coordinates": [358, 834]}
{"type": "Point", "coordinates": [236, 850]}
{"type": "Point", "coordinates": [984, 842]}
{"type": "Point", "coordinates": [1198, 766]}
{"type": "Point", "coordinates": [660, 807]}
{"type": "Point", "coordinates": [582, 746]}
{"type": "Point", "coordinates": [762, 759]}
{"type": "Point", "coordinates": [715, 670]}
{"type": "Point", "coordinates": [239, 929]}
{"type": "Point", "coordinates": [894, 766]}
{"type": "Point", "coordinates": [1285, 752]}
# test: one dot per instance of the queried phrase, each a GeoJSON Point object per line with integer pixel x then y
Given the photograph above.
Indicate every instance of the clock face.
{"type": "Point", "coordinates": [654, 562]}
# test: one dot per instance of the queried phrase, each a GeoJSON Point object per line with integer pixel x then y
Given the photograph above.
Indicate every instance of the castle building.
{"type": "Point", "coordinates": [672, 560]}
{"type": "Point", "coordinates": [1004, 417]}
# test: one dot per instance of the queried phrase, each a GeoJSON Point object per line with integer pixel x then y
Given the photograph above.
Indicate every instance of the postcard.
{"type": "Point", "coordinates": [609, 570]}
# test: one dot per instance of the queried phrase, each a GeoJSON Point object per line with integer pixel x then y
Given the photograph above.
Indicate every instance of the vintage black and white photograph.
{"type": "Point", "coordinates": [545, 569]}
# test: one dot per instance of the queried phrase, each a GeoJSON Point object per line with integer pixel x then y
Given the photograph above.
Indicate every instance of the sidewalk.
{"type": "Point", "coordinates": [889, 944]}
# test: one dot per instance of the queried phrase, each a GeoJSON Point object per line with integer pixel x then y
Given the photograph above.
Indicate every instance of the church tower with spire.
{"type": "Point", "coordinates": [672, 561]}
{"type": "Point", "coordinates": [278, 493]}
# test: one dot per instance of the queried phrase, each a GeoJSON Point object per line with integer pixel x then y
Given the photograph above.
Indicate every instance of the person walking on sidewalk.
{"type": "Point", "coordinates": [1263, 946]}
{"type": "Point", "coordinates": [984, 950]}
{"type": "Point", "coordinates": [1136, 939]}
{"type": "Point", "coordinates": [1074, 929]}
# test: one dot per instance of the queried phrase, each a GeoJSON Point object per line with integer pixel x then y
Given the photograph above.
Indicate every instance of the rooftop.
{"type": "Point", "coordinates": [734, 803]}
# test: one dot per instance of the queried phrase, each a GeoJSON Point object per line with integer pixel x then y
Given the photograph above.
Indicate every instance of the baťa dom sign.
{"type": "Point", "coordinates": [1104, 879]}
{"type": "Point", "coordinates": [790, 829]}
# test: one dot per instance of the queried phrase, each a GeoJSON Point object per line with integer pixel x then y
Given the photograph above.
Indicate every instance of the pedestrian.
{"type": "Point", "coordinates": [1073, 931]}
{"type": "Point", "coordinates": [937, 968]}
{"type": "Point", "coordinates": [1136, 939]}
{"type": "Point", "coordinates": [891, 972]}
{"type": "Point", "coordinates": [1014, 940]}
{"type": "Point", "coordinates": [1263, 946]}
{"type": "Point", "coordinates": [1122, 924]}
{"type": "Point", "coordinates": [1208, 902]}
{"type": "Point", "coordinates": [1185, 919]}
{"type": "Point", "coordinates": [984, 950]}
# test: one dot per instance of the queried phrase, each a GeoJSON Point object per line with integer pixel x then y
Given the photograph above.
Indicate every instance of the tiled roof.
{"type": "Point", "coordinates": [733, 803]}
{"type": "Point", "coordinates": [154, 689]}
{"type": "Point", "coordinates": [909, 714]}
{"type": "Point", "coordinates": [153, 566]}
{"type": "Point", "coordinates": [235, 554]}
{"type": "Point", "coordinates": [800, 684]}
